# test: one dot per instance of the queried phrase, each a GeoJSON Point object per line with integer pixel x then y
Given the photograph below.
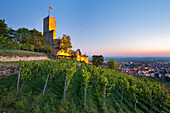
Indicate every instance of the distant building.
{"type": "Point", "coordinates": [81, 57]}
{"type": "Point", "coordinates": [167, 75]}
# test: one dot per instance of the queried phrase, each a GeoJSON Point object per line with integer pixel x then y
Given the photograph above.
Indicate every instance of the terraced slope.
{"type": "Point", "coordinates": [34, 76]}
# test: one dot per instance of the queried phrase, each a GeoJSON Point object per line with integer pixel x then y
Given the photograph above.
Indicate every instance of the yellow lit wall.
{"type": "Point", "coordinates": [82, 58]}
{"type": "Point", "coordinates": [62, 52]}
{"type": "Point", "coordinates": [52, 26]}
{"type": "Point", "coordinates": [78, 57]}
{"type": "Point", "coordinates": [67, 53]}
{"type": "Point", "coordinates": [85, 59]}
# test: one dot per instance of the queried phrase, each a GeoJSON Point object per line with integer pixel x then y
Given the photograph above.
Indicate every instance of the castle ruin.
{"type": "Point", "coordinates": [49, 32]}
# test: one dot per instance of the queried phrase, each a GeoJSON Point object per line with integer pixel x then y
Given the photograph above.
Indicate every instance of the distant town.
{"type": "Point", "coordinates": [158, 67]}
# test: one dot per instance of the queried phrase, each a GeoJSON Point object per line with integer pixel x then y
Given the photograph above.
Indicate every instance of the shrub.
{"type": "Point", "coordinates": [36, 49]}
{"type": "Point", "coordinates": [31, 47]}
{"type": "Point", "coordinates": [27, 46]}
{"type": "Point", "coordinates": [15, 45]}
{"type": "Point", "coordinates": [24, 46]}
{"type": "Point", "coordinates": [111, 64]}
{"type": "Point", "coordinates": [42, 49]}
{"type": "Point", "coordinates": [49, 50]}
{"type": "Point", "coordinates": [97, 60]}
{"type": "Point", "coordinates": [5, 43]}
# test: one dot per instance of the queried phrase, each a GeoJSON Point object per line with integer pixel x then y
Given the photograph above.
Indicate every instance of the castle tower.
{"type": "Point", "coordinates": [49, 32]}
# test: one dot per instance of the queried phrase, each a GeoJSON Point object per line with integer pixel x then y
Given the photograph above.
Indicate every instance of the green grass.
{"type": "Point", "coordinates": [18, 51]}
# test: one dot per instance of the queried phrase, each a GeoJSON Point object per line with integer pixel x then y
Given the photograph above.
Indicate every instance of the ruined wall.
{"type": "Point", "coordinates": [7, 70]}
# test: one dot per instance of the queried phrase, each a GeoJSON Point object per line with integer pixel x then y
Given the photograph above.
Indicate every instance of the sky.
{"type": "Point", "coordinates": [99, 27]}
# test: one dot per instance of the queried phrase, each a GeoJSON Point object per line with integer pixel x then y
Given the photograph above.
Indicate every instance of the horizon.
{"type": "Point", "coordinates": [135, 56]}
{"type": "Point", "coordinates": [109, 28]}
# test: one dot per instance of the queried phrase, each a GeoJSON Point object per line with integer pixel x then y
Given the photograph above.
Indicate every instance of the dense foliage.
{"type": "Point", "coordinates": [68, 78]}
{"type": "Point", "coordinates": [21, 38]}
{"type": "Point", "coordinates": [111, 64]}
{"type": "Point", "coordinates": [5, 43]}
{"type": "Point", "coordinates": [97, 60]}
{"type": "Point", "coordinates": [64, 44]}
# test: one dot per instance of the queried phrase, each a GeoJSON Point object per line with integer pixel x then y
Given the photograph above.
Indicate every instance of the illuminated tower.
{"type": "Point", "coordinates": [49, 32]}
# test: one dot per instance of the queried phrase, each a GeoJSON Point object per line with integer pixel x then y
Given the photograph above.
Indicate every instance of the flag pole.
{"type": "Point", "coordinates": [48, 11]}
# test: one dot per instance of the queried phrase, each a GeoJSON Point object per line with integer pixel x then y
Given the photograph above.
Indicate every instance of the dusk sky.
{"type": "Point", "coordinates": [107, 27]}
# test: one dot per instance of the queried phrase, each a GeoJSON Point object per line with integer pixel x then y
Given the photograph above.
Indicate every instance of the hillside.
{"type": "Point", "coordinates": [87, 89]}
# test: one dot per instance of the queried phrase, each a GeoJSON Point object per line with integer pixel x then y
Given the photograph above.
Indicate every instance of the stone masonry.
{"type": "Point", "coordinates": [49, 32]}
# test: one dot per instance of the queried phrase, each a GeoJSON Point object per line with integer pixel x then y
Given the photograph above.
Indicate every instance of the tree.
{"type": "Point", "coordinates": [27, 46]}
{"type": "Point", "coordinates": [5, 43]}
{"type": "Point", "coordinates": [43, 49]}
{"type": "Point", "coordinates": [11, 34]}
{"type": "Point", "coordinates": [49, 50]}
{"type": "Point", "coordinates": [22, 35]}
{"type": "Point", "coordinates": [64, 43]}
{"type": "Point", "coordinates": [37, 39]}
{"type": "Point", "coordinates": [97, 60]}
{"type": "Point", "coordinates": [3, 28]}
{"type": "Point", "coordinates": [118, 67]}
{"type": "Point", "coordinates": [111, 64]}
{"type": "Point", "coordinates": [5, 31]}
{"type": "Point", "coordinates": [157, 75]}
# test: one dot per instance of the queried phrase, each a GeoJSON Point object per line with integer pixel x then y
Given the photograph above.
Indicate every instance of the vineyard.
{"type": "Point", "coordinates": [68, 86]}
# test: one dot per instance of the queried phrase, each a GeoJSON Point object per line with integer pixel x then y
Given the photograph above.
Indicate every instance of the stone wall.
{"type": "Point", "coordinates": [23, 58]}
{"type": "Point", "coordinates": [6, 71]}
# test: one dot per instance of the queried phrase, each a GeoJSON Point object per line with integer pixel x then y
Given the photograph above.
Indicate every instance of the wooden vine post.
{"type": "Point", "coordinates": [153, 103]}
{"type": "Point", "coordinates": [86, 76]}
{"type": "Point", "coordinates": [104, 94]}
{"type": "Point", "coordinates": [121, 99]}
{"type": "Point", "coordinates": [65, 87]}
{"type": "Point", "coordinates": [69, 74]}
{"type": "Point", "coordinates": [22, 85]}
{"type": "Point", "coordinates": [163, 103]}
{"type": "Point", "coordinates": [45, 85]}
{"type": "Point", "coordinates": [18, 79]}
{"type": "Point", "coordinates": [85, 93]}
{"type": "Point", "coordinates": [105, 82]}
{"type": "Point", "coordinates": [135, 102]}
